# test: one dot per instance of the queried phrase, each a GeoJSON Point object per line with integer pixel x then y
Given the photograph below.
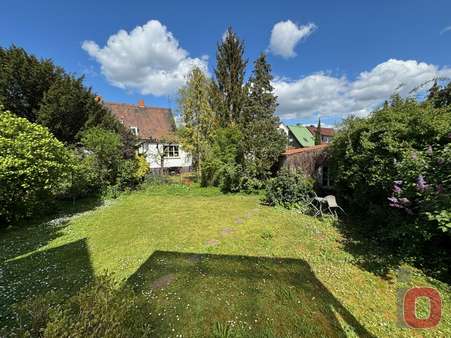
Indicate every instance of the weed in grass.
{"type": "Point", "coordinates": [222, 330]}
{"type": "Point", "coordinates": [266, 235]}
{"type": "Point", "coordinates": [286, 294]}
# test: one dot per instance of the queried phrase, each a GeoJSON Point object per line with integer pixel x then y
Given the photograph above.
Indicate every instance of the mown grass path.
{"type": "Point", "coordinates": [212, 264]}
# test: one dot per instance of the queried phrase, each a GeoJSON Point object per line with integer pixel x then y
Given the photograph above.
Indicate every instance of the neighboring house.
{"type": "Point", "coordinates": [284, 128]}
{"type": "Point", "coordinates": [155, 129]}
{"type": "Point", "coordinates": [303, 155]}
{"type": "Point", "coordinates": [298, 136]}
{"type": "Point", "coordinates": [327, 134]}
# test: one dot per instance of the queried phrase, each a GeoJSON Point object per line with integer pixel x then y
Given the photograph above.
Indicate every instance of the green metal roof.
{"type": "Point", "coordinates": [303, 135]}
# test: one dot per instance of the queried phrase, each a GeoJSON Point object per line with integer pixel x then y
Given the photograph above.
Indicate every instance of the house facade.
{"type": "Point", "coordinates": [155, 128]}
{"type": "Point", "coordinates": [327, 134]}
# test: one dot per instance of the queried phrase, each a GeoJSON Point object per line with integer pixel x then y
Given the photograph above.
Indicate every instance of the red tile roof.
{"type": "Point", "coordinates": [324, 131]}
{"type": "Point", "coordinates": [152, 122]}
{"type": "Point", "coordinates": [291, 151]}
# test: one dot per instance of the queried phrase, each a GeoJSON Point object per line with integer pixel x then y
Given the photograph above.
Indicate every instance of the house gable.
{"type": "Point", "coordinates": [147, 123]}
{"type": "Point", "coordinates": [155, 128]}
{"type": "Point", "coordinates": [301, 136]}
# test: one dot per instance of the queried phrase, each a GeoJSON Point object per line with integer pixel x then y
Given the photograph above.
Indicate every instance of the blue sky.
{"type": "Point", "coordinates": [329, 58]}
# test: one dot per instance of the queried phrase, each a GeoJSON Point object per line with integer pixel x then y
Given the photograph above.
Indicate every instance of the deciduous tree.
{"type": "Point", "coordinates": [199, 121]}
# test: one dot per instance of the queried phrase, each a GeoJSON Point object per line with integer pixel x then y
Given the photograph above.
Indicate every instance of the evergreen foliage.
{"type": "Point", "coordinates": [63, 108]}
{"type": "Point", "coordinates": [221, 166]}
{"type": "Point", "coordinates": [318, 133]}
{"type": "Point", "coordinates": [231, 114]}
{"type": "Point", "coordinates": [24, 80]}
{"type": "Point", "coordinates": [228, 85]}
{"type": "Point", "coordinates": [44, 93]}
{"type": "Point", "coordinates": [262, 141]}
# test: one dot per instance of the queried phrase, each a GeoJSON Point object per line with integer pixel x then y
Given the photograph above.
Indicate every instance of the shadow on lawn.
{"type": "Point", "coordinates": [63, 269]}
{"type": "Point", "coordinates": [383, 259]}
{"type": "Point", "coordinates": [197, 294]}
{"type": "Point", "coordinates": [35, 233]}
{"type": "Point", "coordinates": [368, 254]}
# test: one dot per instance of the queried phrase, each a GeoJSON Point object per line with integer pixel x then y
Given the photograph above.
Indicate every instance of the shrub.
{"type": "Point", "coordinates": [249, 181]}
{"type": "Point", "coordinates": [421, 190]}
{"type": "Point", "coordinates": [393, 170]}
{"type": "Point", "coordinates": [106, 146]}
{"type": "Point", "coordinates": [229, 177]}
{"type": "Point", "coordinates": [98, 310]}
{"type": "Point", "coordinates": [251, 185]}
{"type": "Point", "coordinates": [132, 172]}
{"type": "Point", "coordinates": [370, 154]}
{"type": "Point", "coordinates": [142, 167]}
{"type": "Point", "coordinates": [84, 178]}
{"type": "Point", "coordinates": [289, 190]}
{"type": "Point", "coordinates": [33, 167]}
{"type": "Point", "coordinates": [220, 167]}
{"type": "Point", "coordinates": [126, 177]}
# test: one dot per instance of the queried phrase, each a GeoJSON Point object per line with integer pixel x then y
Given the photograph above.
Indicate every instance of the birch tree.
{"type": "Point", "coordinates": [199, 122]}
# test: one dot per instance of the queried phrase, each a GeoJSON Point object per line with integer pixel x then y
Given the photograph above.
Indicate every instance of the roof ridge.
{"type": "Point", "coordinates": [136, 106]}
{"type": "Point", "coordinates": [304, 150]}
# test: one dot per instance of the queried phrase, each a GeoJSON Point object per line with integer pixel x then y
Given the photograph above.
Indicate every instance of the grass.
{"type": "Point", "coordinates": [213, 265]}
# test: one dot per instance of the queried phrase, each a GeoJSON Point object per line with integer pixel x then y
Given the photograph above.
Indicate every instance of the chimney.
{"type": "Point", "coordinates": [141, 103]}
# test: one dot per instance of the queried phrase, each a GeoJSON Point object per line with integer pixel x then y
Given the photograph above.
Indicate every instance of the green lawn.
{"type": "Point", "coordinates": [212, 264]}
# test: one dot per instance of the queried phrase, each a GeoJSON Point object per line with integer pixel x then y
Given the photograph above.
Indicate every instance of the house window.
{"type": "Point", "coordinates": [144, 147]}
{"type": "Point", "coordinates": [171, 151]}
{"type": "Point", "coordinates": [134, 130]}
{"type": "Point", "coordinates": [326, 139]}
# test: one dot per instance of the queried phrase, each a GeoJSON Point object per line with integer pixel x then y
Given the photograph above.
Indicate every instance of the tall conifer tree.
{"type": "Point", "coordinates": [228, 85]}
{"type": "Point", "coordinates": [262, 140]}
{"type": "Point", "coordinates": [318, 133]}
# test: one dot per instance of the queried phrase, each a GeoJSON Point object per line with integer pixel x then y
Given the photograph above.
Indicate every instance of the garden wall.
{"type": "Point", "coordinates": [310, 160]}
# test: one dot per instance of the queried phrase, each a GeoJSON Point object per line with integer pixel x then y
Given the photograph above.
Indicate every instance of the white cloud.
{"type": "Point", "coordinates": [338, 96]}
{"type": "Point", "coordinates": [148, 59]}
{"type": "Point", "coordinates": [286, 35]}
{"type": "Point", "coordinates": [444, 30]}
{"type": "Point", "coordinates": [314, 93]}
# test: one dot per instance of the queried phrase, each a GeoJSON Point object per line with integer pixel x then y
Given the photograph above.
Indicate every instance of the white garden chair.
{"type": "Point", "coordinates": [329, 201]}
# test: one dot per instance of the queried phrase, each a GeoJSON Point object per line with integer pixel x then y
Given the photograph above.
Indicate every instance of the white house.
{"type": "Point", "coordinates": [284, 128]}
{"type": "Point", "coordinates": [155, 129]}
